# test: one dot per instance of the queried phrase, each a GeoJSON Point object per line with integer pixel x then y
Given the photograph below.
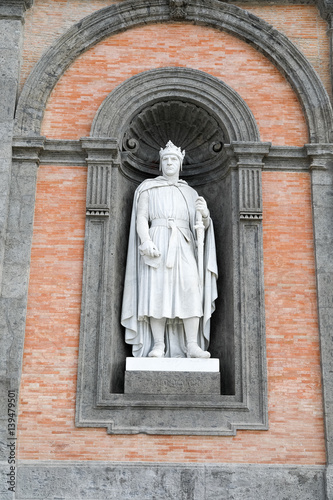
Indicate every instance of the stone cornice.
{"type": "Point", "coordinates": [71, 152]}
{"type": "Point", "coordinates": [28, 149]}
{"type": "Point", "coordinates": [321, 156]}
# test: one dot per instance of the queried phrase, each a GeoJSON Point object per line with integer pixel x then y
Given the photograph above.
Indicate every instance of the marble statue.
{"type": "Point", "coordinates": [171, 272]}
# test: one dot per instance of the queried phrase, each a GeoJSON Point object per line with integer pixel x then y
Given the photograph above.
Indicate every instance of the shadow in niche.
{"type": "Point", "coordinates": [122, 195]}
{"type": "Point", "coordinates": [222, 346]}
{"type": "Point", "coordinates": [218, 197]}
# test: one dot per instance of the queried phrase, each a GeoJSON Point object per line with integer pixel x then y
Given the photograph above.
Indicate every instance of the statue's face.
{"type": "Point", "coordinates": [170, 165]}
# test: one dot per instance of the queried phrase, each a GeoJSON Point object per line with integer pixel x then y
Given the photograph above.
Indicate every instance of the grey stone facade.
{"type": "Point", "coordinates": [18, 170]}
{"type": "Point", "coordinates": [101, 480]}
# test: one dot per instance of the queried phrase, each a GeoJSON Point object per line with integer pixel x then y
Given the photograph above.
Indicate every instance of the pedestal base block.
{"type": "Point", "coordinates": [172, 376]}
{"type": "Point", "coordinates": [172, 383]}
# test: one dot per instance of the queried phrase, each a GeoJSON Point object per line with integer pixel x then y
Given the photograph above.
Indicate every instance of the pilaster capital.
{"type": "Point", "coordinates": [27, 149]}
{"type": "Point", "coordinates": [14, 9]}
{"type": "Point", "coordinates": [321, 155]}
{"type": "Point", "coordinates": [249, 153]}
{"type": "Point", "coordinates": [100, 151]}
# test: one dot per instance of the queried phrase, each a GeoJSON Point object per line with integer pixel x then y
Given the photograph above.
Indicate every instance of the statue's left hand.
{"type": "Point", "coordinates": [201, 206]}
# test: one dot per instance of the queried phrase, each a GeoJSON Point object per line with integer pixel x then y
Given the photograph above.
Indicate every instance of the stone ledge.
{"type": "Point", "coordinates": [173, 365]}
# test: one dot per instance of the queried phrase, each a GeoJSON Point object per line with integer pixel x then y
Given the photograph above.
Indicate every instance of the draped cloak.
{"type": "Point", "coordinates": [163, 291]}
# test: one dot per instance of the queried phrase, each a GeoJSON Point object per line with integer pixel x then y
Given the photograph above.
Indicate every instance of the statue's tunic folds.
{"type": "Point", "coordinates": [172, 289]}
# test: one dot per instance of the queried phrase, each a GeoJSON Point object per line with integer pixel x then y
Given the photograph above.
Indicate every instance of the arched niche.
{"type": "Point", "coordinates": [120, 154]}
{"type": "Point", "coordinates": [195, 110]}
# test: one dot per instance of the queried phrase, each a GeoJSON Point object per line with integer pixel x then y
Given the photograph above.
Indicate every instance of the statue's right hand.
{"type": "Point", "coordinates": [149, 248]}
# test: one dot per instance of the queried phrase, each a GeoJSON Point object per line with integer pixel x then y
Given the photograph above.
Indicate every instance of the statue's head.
{"type": "Point", "coordinates": [172, 150]}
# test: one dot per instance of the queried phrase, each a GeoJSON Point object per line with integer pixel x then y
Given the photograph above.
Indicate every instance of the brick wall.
{"type": "Point", "coordinates": [92, 76]}
{"type": "Point", "coordinates": [304, 26]}
{"type": "Point", "coordinates": [47, 20]}
{"type": "Point", "coordinates": [47, 396]}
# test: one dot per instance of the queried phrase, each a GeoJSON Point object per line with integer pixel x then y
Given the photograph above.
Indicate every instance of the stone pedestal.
{"type": "Point", "coordinates": [172, 376]}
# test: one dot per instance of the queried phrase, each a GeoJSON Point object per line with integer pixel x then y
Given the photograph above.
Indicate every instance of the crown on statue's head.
{"type": "Point", "coordinates": [171, 149]}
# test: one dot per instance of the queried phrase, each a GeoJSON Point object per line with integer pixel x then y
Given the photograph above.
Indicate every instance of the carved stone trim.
{"type": "Point", "coordinates": [328, 16]}
{"type": "Point", "coordinates": [279, 158]}
{"type": "Point", "coordinates": [178, 9]}
{"type": "Point", "coordinates": [320, 155]}
{"type": "Point", "coordinates": [287, 158]}
{"type": "Point", "coordinates": [220, 15]}
{"type": "Point", "coordinates": [322, 213]}
{"type": "Point", "coordinates": [28, 149]}
{"type": "Point", "coordinates": [249, 161]}
{"type": "Point", "coordinates": [250, 198]}
{"type": "Point", "coordinates": [63, 152]}
{"type": "Point", "coordinates": [14, 9]}
{"type": "Point", "coordinates": [98, 190]}
{"type": "Point", "coordinates": [101, 154]}
{"type": "Point", "coordinates": [94, 212]}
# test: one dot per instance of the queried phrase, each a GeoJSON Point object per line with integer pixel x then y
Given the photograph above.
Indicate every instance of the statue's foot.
{"type": "Point", "coordinates": [157, 351]}
{"type": "Point", "coordinates": [194, 351]}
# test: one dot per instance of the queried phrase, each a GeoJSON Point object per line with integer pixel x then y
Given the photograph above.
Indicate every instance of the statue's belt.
{"type": "Point", "coordinates": [173, 224]}
{"type": "Point", "coordinates": [170, 222]}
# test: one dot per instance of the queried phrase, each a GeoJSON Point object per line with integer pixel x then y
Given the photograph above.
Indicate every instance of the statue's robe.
{"type": "Point", "coordinates": [170, 288]}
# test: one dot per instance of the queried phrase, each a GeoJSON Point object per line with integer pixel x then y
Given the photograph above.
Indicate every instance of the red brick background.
{"type": "Point", "coordinates": [78, 95]}
{"type": "Point", "coordinates": [47, 20]}
{"type": "Point", "coordinates": [47, 397]}
{"type": "Point", "coordinates": [304, 26]}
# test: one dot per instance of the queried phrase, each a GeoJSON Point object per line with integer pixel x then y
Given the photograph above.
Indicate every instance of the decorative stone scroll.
{"type": "Point", "coordinates": [178, 9]}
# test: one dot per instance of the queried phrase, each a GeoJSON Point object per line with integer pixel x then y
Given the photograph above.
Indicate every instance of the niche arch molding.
{"type": "Point", "coordinates": [232, 116]}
